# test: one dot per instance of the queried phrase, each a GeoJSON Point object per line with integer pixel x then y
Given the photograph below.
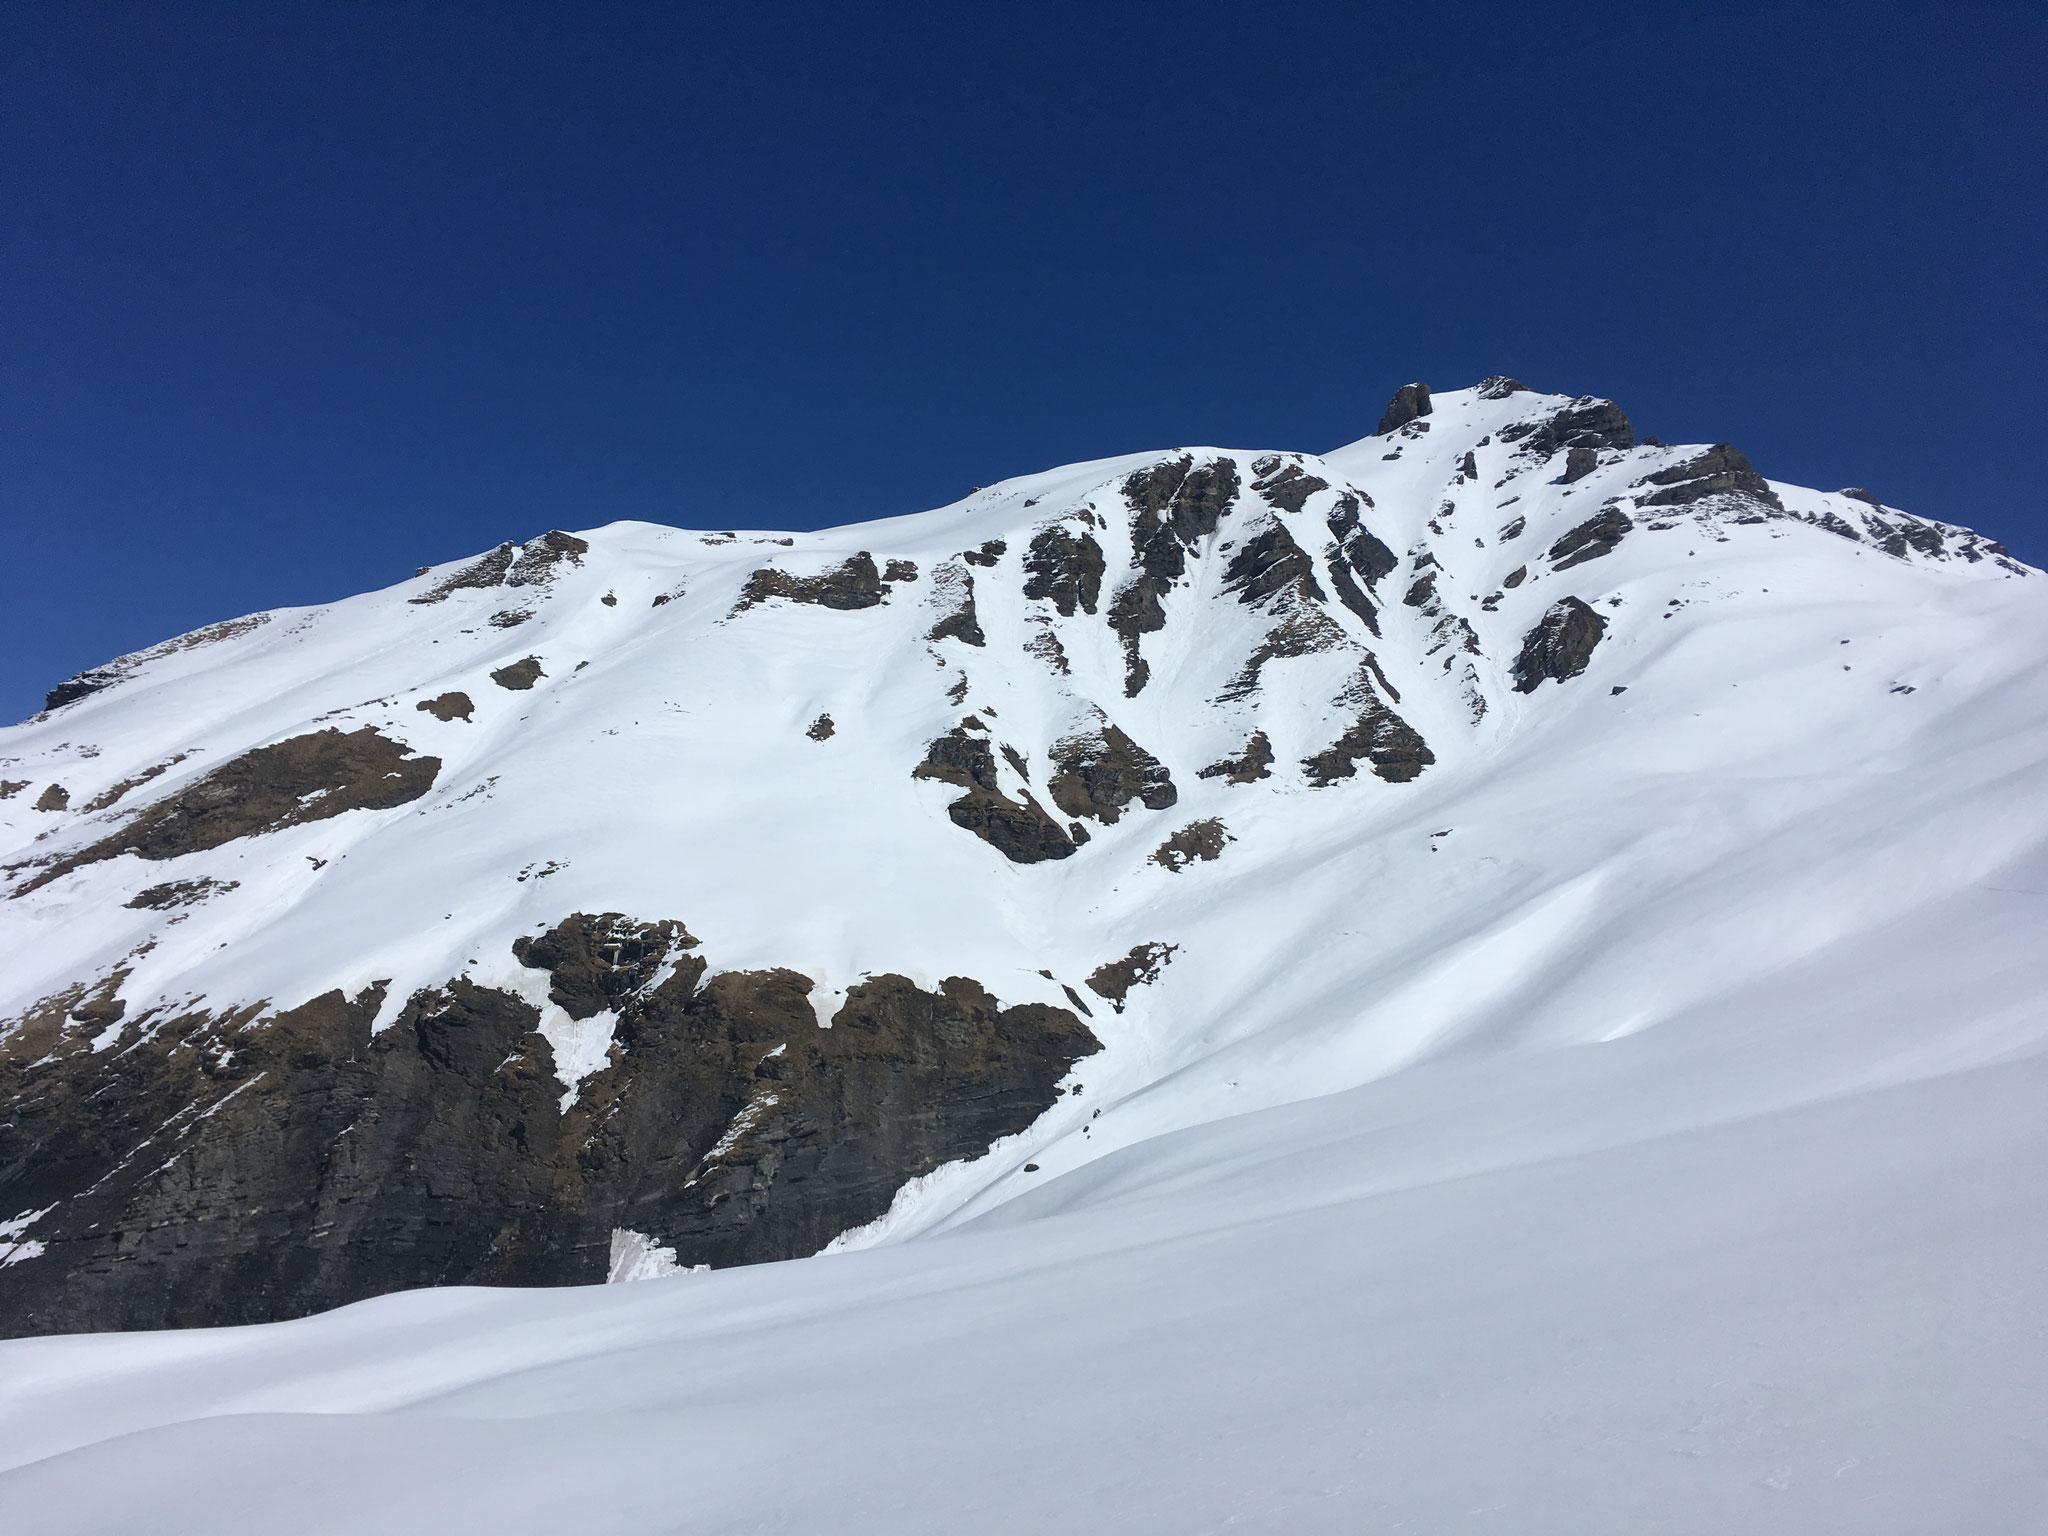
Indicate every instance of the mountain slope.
{"type": "Point", "coordinates": [479, 929]}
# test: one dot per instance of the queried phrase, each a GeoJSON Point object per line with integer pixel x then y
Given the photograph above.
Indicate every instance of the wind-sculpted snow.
{"type": "Point", "coordinates": [1553, 910]}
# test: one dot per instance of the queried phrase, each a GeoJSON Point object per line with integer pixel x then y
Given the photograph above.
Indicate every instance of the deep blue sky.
{"type": "Point", "coordinates": [294, 298]}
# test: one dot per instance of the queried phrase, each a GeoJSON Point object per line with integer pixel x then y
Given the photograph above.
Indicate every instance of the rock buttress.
{"type": "Point", "coordinates": [1559, 646]}
{"type": "Point", "coordinates": [212, 1169]}
{"type": "Point", "coordinates": [1021, 832]}
{"type": "Point", "coordinates": [1173, 505]}
{"type": "Point", "coordinates": [854, 583]}
{"type": "Point", "coordinates": [1065, 567]}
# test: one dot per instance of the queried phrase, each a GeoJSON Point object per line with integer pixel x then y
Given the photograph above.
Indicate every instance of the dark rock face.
{"type": "Point", "coordinates": [1366, 557]}
{"type": "Point", "coordinates": [1499, 387]}
{"type": "Point", "coordinates": [519, 676]}
{"type": "Point", "coordinates": [1022, 833]}
{"type": "Point", "coordinates": [533, 564]}
{"type": "Point", "coordinates": [539, 558]}
{"type": "Point", "coordinates": [1834, 525]}
{"type": "Point", "coordinates": [821, 729]}
{"type": "Point", "coordinates": [1173, 505]}
{"type": "Point", "coordinates": [1139, 968]}
{"type": "Point", "coordinates": [1585, 423]}
{"type": "Point", "coordinates": [448, 706]}
{"type": "Point", "coordinates": [1515, 577]}
{"type": "Point", "coordinates": [264, 790]}
{"type": "Point", "coordinates": [1289, 487]}
{"type": "Point", "coordinates": [225, 1169]}
{"type": "Point", "coordinates": [596, 963]}
{"type": "Point", "coordinates": [990, 552]}
{"type": "Point", "coordinates": [487, 571]}
{"type": "Point", "coordinates": [1596, 536]}
{"type": "Point", "coordinates": [1066, 568]}
{"type": "Point", "coordinates": [856, 583]}
{"type": "Point", "coordinates": [1720, 471]}
{"type": "Point", "coordinates": [1578, 463]}
{"type": "Point", "coordinates": [900, 570]}
{"type": "Point", "coordinates": [1270, 562]}
{"type": "Point", "coordinates": [1102, 772]}
{"type": "Point", "coordinates": [1202, 840]}
{"type": "Point", "coordinates": [1395, 749]}
{"type": "Point", "coordinates": [1560, 645]}
{"type": "Point", "coordinates": [963, 623]}
{"type": "Point", "coordinates": [1348, 590]}
{"type": "Point", "coordinates": [1248, 766]}
{"type": "Point", "coordinates": [84, 685]}
{"type": "Point", "coordinates": [1409, 402]}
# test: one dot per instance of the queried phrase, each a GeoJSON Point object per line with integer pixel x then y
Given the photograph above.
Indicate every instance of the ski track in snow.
{"type": "Point", "coordinates": [1633, 1123]}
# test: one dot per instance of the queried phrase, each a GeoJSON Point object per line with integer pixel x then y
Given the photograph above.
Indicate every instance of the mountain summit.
{"type": "Point", "coordinates": [640, 899]}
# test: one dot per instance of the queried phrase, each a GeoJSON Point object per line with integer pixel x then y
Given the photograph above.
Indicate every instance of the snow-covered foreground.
{"type": "Point", "coordinates": [1775, 1266]}
{"type": "Point", "coordinates": [1631, 1122]}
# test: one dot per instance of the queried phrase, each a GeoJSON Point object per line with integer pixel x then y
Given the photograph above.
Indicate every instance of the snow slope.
{"type": "Point", "coordinates": [1630, 1121]}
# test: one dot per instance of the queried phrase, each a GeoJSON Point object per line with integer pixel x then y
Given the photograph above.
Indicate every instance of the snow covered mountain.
{"type": "Point", "coordinates": [1487, 882]}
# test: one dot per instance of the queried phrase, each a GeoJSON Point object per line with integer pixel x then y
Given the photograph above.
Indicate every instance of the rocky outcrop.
{"type": "Point", "coordinates": [1173, 505]}
{"type": "Point", "coordinates": [1720, 471]}
{"type": "Point", "coordinates": [1287, 487]}
{"type": "Point", "coordinates": [485, 571]}
{"type": "Point", "coordinates": [447, 706]}
{"type": "Point", "coordinates": [1139, 968]}
{"type": "Point", "coordinates": [1270, 562]}
{"type": "Point", "coordinates": [1410, 402]}
{"type": "Point", "coordinates": [97, 679]}
{"type": "Point", "coordinates": [595, 963]}
{"type": "Point", "coordinates": [533, 564]}
{"type": "Point", "coordinates": [1586, 423]}
{"type": "Point", "coordinates": [520, 675]}
{"type": "Point", "coordinates": [1101, 772]}
{"type": "Point", "coordinates": [179, 893]}
{"type": "Point", "coordinates": [1065, 567]}
{"type": "Point", "coordinates": [1598, 535]}
{"type": "Point", "coordinates": [1357, 553]}
{"type": "Point", "coordinates": [1249, 766]}
{"type": "Point", "coordinates": [991, 551]}
{"type": "Point", "coordinates": [1020, 831]}
{"type": "Point", "coordinates": [1559, 646]}
{"type": "Point", "coordinates": [821, 729]}
{"type": "Point", "coordinates": [225, 1168]}
{"type": "Point", "coordinates": [1306, 631]}
{"type": "Point", "coordinates": [303, 779]}
{"type": "Point", "coordinates": [540, 559]}
{"type": "Point", "coordinates": [854, 583]}
{"type": "Point", "coordinates": [1201, 840]}
{"type": "Point", "coordinates": [55, 797]}
{"type": "Point", "coordinates": [1378, 736]}
{"type": "Point", "coordinates": [954, 587]}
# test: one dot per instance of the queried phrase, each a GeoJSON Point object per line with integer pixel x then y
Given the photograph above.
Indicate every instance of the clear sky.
{"type": "Point", "coordinates": [297, 297]}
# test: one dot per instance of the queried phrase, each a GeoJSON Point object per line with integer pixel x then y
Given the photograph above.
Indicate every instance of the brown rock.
{"type": "Point", "coordinates": [448, 706]}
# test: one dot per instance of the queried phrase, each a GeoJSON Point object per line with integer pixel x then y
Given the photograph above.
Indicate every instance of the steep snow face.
{"type": "Point", "coordinates": [1496, 732]}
